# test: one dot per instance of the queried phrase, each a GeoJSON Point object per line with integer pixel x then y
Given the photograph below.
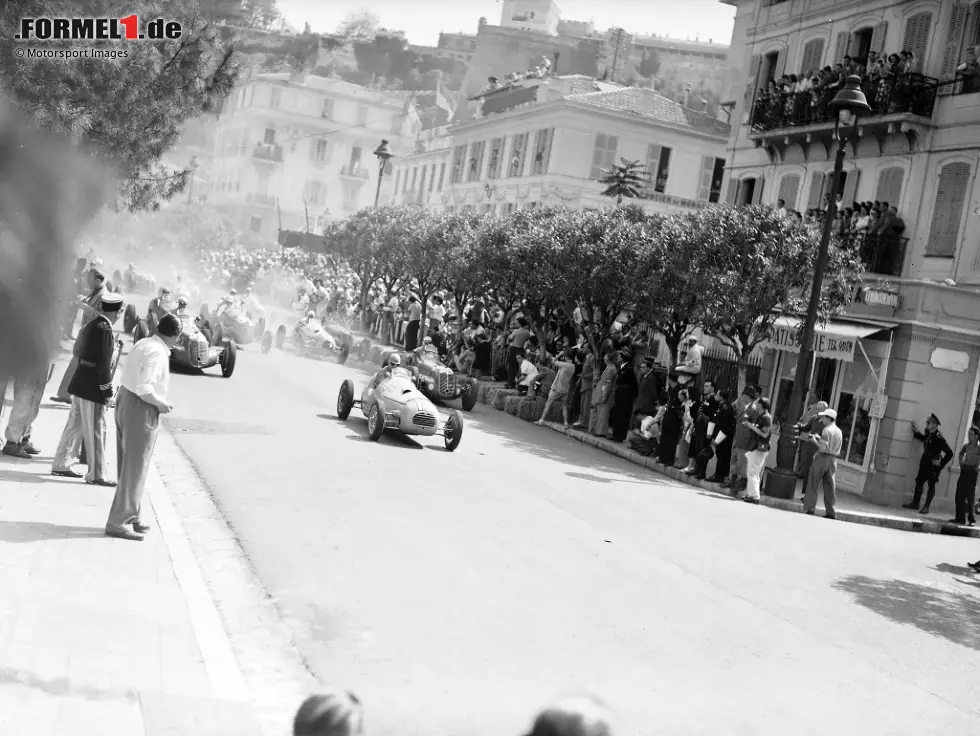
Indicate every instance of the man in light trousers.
{"type": "Point", "coordinates": [823, 470]}
{"type": "Point", "coordinates": [142, 399]}
{"type": "Point", "coordinates": [28, 392]}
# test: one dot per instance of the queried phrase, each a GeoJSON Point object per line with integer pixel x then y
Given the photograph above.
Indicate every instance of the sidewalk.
{"type": "Point", "coordinates": [102, 636]}
{"type": "Point", "coordinates": [850, 507]}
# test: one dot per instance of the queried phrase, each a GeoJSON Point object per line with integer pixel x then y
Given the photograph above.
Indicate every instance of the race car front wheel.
{"type": "Point", "coordinates": [343, 354]}
{"type": "Point", "coordinates": [376, 423]}
{"type": "Point", "coordinates": [345, 399]}
{"type": "Point", "coordinates": [452, 432]}
{"type": "Point", "coordinates": [469, 395]}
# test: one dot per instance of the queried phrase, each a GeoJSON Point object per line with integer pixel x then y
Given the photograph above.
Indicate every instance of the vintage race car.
{"type": "Point", "coordinates": [310, 337]}
{"type": "Point", "coordinates": [441, 382]}
{"type": "Point", "coordinates": [230, 320]}
{"type": "Point", "coordinates": [393, 402]}
{"type": "Point", "coordinates": [193, 350]}
{"type": "Point", "coordinates": [133, 280]}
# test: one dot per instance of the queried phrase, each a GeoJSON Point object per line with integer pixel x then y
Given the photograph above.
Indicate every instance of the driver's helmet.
{"type": "Point", "coordinates": [426, 340]}
{"type": "Point", "coordinates": [395, 360]}
{"type": "Point", "coordinates": [181, 303]}
{"type": "Point", "coordinates": [163, 292]}
{"type": "Point", "coordinates": [233, 292]}
{"type": "Point", "coordinates": [311, 314]}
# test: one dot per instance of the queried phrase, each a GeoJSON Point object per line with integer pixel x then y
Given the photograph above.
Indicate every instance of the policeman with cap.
{"type": "Point", "coordinates": [91, 390]}
{"type": "Point", "coordinates": [936, 455]}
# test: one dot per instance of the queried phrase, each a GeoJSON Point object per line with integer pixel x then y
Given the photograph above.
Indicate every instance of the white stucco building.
{"type": "Point", "coordinates": [539, 16]}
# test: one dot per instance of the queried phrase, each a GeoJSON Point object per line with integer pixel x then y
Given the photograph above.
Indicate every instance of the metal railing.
{"type": "Point", "coordinates": [355, 170]}
{"type": "Point", "coordinates": [909, 94]}
{"type": "Point", "coordinates": [882, 254]}
{"type": "Point", "coordinates": [268, 152]}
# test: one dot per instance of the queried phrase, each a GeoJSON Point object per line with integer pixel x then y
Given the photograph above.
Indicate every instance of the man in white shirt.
{"type": "Point", "coordinates": [692, 363]}
{"type": "Point", "coordinates": [142, 399]}
{"type": "Point", "coordinates": [528, 375]}
{"type": "Point", "coordinates": [823, 470]}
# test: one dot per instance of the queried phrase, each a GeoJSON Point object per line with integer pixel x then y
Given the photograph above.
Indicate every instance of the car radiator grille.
{"type": "Point", "coordinates": [424, 419]}
{"type": "Point", "coordinates": [197, 351]}
{"type": "Point", "coordinates": [446, 383]}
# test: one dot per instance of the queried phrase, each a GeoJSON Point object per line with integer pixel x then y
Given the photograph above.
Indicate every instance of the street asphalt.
{"type": "Point", "coordinates": [456, 593]}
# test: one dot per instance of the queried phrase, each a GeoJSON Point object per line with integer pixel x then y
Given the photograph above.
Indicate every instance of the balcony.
{"type": "Point", "coordinates": [271, 152]}
{"type": "Point", "coordinates": [266, 200]}
{"type": "Point", "coordinates": [899, 105]}
{"type": "Point", "coordinates": [883, 255]}
{"type": "Point", "coordinates": [355, 171]}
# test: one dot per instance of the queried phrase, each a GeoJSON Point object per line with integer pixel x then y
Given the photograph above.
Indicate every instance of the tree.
{"type": "Point", "coordinates": [755, 263]}
{"type": "Point", "coordinates": [624, 180]}
{"type": "Point", "coordinates": [362, 25]}
{"type": "Point", "coordinates": [464, 272]}
{"type": "Point", "coordinates": [650, 64]}
{"type": "Point", "coordinates": [422, 262]}
{"type": "Point", "coordinates": [130, 111]}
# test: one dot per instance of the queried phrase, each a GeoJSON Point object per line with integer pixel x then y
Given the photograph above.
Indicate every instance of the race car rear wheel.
{"type": "Point", "coordinates": [345, 399]}
{"type": "Point", "coordinates": [376, 423]}
{"type": "Point", "coordinates": [343, 354]}
{"type": "Point", "coordinates": [452, 432]}
{"type": "Point", "coordinates": [151, 322]}
{"type": "Point", "coordinates": [468, 395]}
{"type": "Point", "coordinates": [280, 337]}
{"type": "Point", "coordinates": [140, 331]}
{"type": "Point", "coordinates": [266, 342]}
{"type": "Point", "coordinates": [227, 359]}
{"type": "Point", "coordinates": [130, 318]}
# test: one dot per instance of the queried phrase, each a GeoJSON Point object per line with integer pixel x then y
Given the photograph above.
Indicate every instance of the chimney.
{"type": "Point", "coordinates": [554, 67]}
{"type": "Point", "coordinates": [686, 97]}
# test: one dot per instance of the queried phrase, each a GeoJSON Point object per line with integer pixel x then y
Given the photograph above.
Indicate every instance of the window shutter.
{"type": "Point", "coordinates": [812, 55]}
{"type": "Point", "coordinates": [878, 37]}
{"type": "Point", "coordinates": [759, 186]}
{"type": "Point", "coordinates": [890, 185]}
{"type": "Point", "coordinates": [850, 187]}
{"type": "Point", "coordinates": [954, 42]}
{"type": "Point", "coordinates": [732, 191]}
{"type": "Point", "coordinates": [816, 190]}
{"type": "Point", "coordinates": [653, 161]}
{"type": "Point", "coordinates": [843, 43]}
{"type": "Point", "coordinates": [950, 198]}
{"type": "Point", "coordinates": [545, 151]}
{"type": "Point", "coordinates": [789, 187]}
{"type": "Point", "coordinates": [780, 63]}
{"type": "Point", "coordinates": [753, 83]}
{"type": "Point", "coordinates": [707, 171]}
{"type": "Point", "coordinates": [917, 30]}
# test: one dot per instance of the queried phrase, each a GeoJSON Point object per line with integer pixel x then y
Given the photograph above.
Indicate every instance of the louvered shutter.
{"type": "Point", "coordinates": [843, 44]}
{"type": "Point", "coordinates": [950, 198]}
{"type": "Point", "coordinates": [549, 137]}
{"type": "Point", "coordinates": [954, 42]}
{"type": "Point", "coordinates": [878, 37]}
{"type": "Point", "coordinates": [780, 63]}
{"type": "Point", "coordinates": [816, 190]}
{"type": "Point", "coordinates": [653, 162]}
{"type": "Point", "coordinates": [789, 187]}
{"type": "Point", "coordinates": [754, 82]}
{"type": "Point", "coordinates": [732, 191]}
{"type": "Point", "coordinates": [890, 185]}
{"type": "Point", "coordinates": [707, 170]}
{"type": "Point", "coordinates": [850, 187]}
{"type": "Point", "coordinates": [917, 30]}
{"type": "Point", "coordinates": [759, 186]}
{"type": "Point", "coordinates": [812, 56]}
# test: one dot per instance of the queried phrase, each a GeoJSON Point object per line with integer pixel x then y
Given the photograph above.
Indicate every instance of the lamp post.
{"type": "Point", "coordinates": [384, 154]}
{"type": "Point", "coordinates": [192, 165]}
{"type": "Point", "coordinates": [849, 104]}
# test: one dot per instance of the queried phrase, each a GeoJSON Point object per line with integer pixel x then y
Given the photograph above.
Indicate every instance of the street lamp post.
{"type": "Point", "coordinates": [384, 154]}
{"type": "Point", "coordinates": [849, 104]}
{"type": "Point", "coordinates": [192, 165]}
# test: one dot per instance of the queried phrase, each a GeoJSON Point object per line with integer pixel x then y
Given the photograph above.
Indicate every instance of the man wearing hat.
{"type": "Point", "coordinates": [414, 322]}
{"type": "Point", "coordinates": [828, 441]}
{"type": "Point", "coordinates": [692, 362]}
{"type": "Point", "coordinates": [936, 455]}
{"type": "Point", "coordinates": [745, 413]}
{"type": "Point", "coordinates": [95, 280]}
{"type": "Point", "coordinates": [91, 390]}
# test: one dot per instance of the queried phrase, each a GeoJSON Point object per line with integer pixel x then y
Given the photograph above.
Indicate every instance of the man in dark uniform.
{"type": "Point", "coordinates": [936, 455]}
{"type": "Point", "coordinates": [91, 390]}
{"type": "Point", "coordinates": [707, 409]}
{"type": "Point", "coordinates": [95, 280]}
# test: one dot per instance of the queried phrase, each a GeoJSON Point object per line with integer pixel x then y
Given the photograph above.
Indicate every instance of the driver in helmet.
{"type": "Point", "coordinates": [428, 348]}
{"type": "Point", "coordinates": [181, 307]}
{"type": "Point", "coordinates": [395, 367]}
{"type": "Point", "coordinates": [310, 318]}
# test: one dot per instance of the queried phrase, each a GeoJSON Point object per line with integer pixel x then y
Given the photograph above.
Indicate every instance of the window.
{"type": "Point", "coordinates": [432, 178]}
{"type": "Point", "coordinates": [890, 185]}
{"type": "Point", "coordinates": [270, 136]}
{"type": "Point", "coordinates": [442, 175]}
{"type": "Point", "coordinates": [917, 30]}
{"type": "Point", "coordinates": [475, 165]}
{"type": "Point", "coordinates": [789, 188]}
{"type": "Point", "coordinates": [518, 151]}
{"type": "Point", "coordinates": [542, 150]}
{"type": "Point", "coordinates": [351, 192]}
{"type": "Point", "coordinates": [858, 389]}
{"type": "Point", "coordinates": [954, 179]}
{"type": "Point", "coordinates": [362, 114]}
{"type": "Point", "coordinates": [275, 98]}
{"type": "Point", "coordinates": [842, 45]}
{"type": "Point", "coordinates": [255, 223]}
{"type": "Point", "coordinates": [496, 154]}
{"type": "Point", "coordinates": [355, 157]}
{"type": "Point", "coordinates": [815, 201]}
{"type": "Point", "coordinates": [459, 155]}
{"type": "Point", "coordinates": [812, 56]}
{"type": "Point", "coordinates": [603, 155]}
{"type": "Point", "coordinates": [327, 113]}
{"type": "Point", "coordinates": [319, 151]}
{"type": "Point", "coordinates": [658, 166]}
{"type": "Point", "coordinates": [314, 193]}
{"type": "Point", "coordinates": [509, 207]}
{"type": "Point", "coordinates": [717, 174]}
{"type": "Point", "coordinates": [415, 177]}
{"type": "Point", "coordinates": [704, 179]}
{"type": "Point", "coordinates": [422, 179]}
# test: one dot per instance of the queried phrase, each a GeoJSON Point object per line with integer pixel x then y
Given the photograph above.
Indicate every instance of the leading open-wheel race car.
{"type": "Point", "coordinates": [441, 382]}
{"type": "Point", "coordinates": [193, 349]}
{"type": "Point", "coordinates": [393, 402]}
{"type": "Point", "coordinates": [311, 337]}
{"type": "Point", "coordinates": [230, 320]}
{"type": "Point", "coordinates": [136, 281]}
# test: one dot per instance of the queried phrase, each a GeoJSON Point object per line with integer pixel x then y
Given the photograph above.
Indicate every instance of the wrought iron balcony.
{"type": "Point", "coordinates": [882, 254]}
{"type": "Point", "coordinates": [266, 200]}
{"type": "Point", "coordinates": [355, 171]}
{"type": "Point", "coordinates": [271, 152]}
{"type": "Point", "coordinates": [911, 94]}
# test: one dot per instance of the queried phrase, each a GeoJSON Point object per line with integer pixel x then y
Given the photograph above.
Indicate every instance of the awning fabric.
{"type": "Point", "coordinates": [836, 340]}
{"type": "Point", "coordinates": [853, 329]}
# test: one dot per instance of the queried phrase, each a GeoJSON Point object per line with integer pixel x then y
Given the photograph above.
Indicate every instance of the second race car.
{"type": "Point", "coordinates": [310, 337]}
{"type": "Point", "coordinates": [193, 349]}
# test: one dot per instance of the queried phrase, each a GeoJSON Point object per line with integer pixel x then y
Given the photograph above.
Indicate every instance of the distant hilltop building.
{"type": "Point", "coordinates": [701, 65]}
{"type": "Point", "coordinates": [538, 16]}
{"type": "Point", "coordinates": [614, 54]}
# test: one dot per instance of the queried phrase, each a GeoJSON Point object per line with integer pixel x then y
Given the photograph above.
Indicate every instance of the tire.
{"type": "Point", "coordinates": [345, 399]}
{"type": "Point", "coordinates": [452, 432]}
{"type": "Point", "coordinates": [376, 423]}
{"type": "Point", "coordinates": [469, 396]}
{"type": "Point", "coordinates": [343, 354]}
{"type": "Point", "coordinates": [266, 342]}
{"type": "Point", "coordinates": [152, 321]}
{"type": "Point", "coordinates": [280, 337]}
{"type": "Point", "coordinates": [140, 331]}
{"type": "Point", "coordinates": [130, 319]}
{"type": "Point", "coordinates": [228, 357]}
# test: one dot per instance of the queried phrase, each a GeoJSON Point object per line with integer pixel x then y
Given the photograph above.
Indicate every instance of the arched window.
{"type": "Point", "coordinates": [948, 212]}
{"type": "Point", "coordinates": [890, 185]}
{"type": "Point", "coordinates": [789, 188]}
{"type": "Point", "coordinates": [812, 56]}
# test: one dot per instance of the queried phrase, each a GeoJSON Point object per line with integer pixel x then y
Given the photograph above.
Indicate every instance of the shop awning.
{"type": "Point", "coordinates": [836, 340]}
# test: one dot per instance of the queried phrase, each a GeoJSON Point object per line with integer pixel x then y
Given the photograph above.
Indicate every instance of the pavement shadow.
{"type": "Point", "coordinates": [946, 613]}
{"type": "Point", "coordinates": [597, 479]}
{"type": "Point", "coordinates": [60, 687]}
{"type": "Point", "coordinates": [359, 433]}
{"type": "Point", "coordinates": [21, 476]}
{"type": "Point", "coordinates": [719, 496]}
{"type": "Point", "coordinates": [953, 569]}
{"type": "Point", "coordinates": [23, 532]}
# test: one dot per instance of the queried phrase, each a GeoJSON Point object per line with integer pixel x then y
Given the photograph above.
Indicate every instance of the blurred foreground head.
{"type": "Point", "coordinates": [331, 714]}
{"type": "Point", "coordinates": [583, 715]}
{"type": "Point", "coordinates": [47, 193]}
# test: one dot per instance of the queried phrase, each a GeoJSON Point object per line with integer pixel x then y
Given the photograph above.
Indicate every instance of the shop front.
{"type": "Point", "coordinates": [849, 369]}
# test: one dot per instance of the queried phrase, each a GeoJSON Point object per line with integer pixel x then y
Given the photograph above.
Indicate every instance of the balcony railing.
{"type": "Point", "coordinates": [882, 254]}
{"type": "Point", "coordinates": [355, 171]}
{"type": "Point", "coordinates": [910, 94]}
{"type": "Point", "coordinates": [268, 152]}
{"type": "Point", "coordinates": [264, 199]}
